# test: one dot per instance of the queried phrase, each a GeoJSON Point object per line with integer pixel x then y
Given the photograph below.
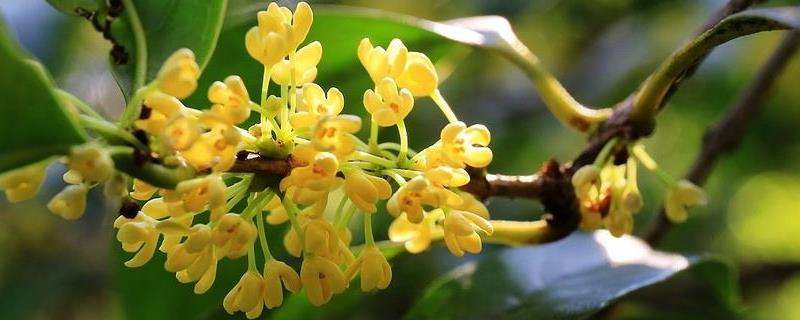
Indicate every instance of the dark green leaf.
{"type": "Point", "coordinates": [33, 123]}
{"type": "Point", "coordinates": [569, 279]}
{"type": "Point", "coordinates": [167, 25]}
{"type": "Point", "coordinates": [74, 7]}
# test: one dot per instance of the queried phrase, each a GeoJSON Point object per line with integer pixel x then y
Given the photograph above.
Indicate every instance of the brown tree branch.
{"type": "Point", "coordinates": [723, 136]}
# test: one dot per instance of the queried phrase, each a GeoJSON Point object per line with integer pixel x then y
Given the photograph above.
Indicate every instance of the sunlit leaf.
{"type": "Point", "coordinates": [74, 6]}
{"type": "Point", "coordinates": [166, 25]}
{"type": "Point", "coordinates": [33, 122]}
{"type": "Point", "coordinates": [569, 279]}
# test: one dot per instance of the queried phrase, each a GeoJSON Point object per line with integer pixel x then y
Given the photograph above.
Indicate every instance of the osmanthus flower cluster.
{"type": "Point", "coordinates": [335, 178]}
{"type": "Point", "coordinates": [609, 194]}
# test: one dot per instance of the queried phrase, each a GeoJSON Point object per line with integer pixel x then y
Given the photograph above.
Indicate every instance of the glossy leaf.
{"type": "Point", "coordinates": [569, 279]}
{"type": "Point", "coordinates": [33, 122]}
{"type": "Point", "coordinates": [166, 25]}
{"type": "Point", "coordinates": [72, 7]}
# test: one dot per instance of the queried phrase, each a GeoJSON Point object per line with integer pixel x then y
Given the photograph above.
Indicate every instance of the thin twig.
{"type": "Point", "coordinates": [727, 133]}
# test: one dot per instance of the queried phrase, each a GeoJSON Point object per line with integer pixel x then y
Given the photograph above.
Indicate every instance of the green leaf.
{"type": "Point", "coordinates": [736, 26]}
{"type": "Point", "coordinates": [73, 7]}
{"type": "Point", "coordinates": [151, 30]}
{"type": "Point", "coordinates": [33, 122]}
{"type": "Point", "coordinates": [569, 279]}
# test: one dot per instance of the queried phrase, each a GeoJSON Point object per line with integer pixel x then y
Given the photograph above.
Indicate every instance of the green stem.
{"type": "Point", "coordinates": [139, 42]}
{"type": "Point", "coordinates": [251, 257]}
{"type": "Point", "coordinates": [79, 104]}
{"type": "Point", "coordinates": [256, 205]}
{"type": "Point", "coordinates": [444, 106]}
{"type": "Point", "coordinates": [368, 157]}
{"type": "Point", "coordinates": [650, 164]}
{"type": "Point", "coordinates": [373, 137]}
{"type": "Point", "coordinates": [368, 237]}
{"type": "Point", "coordinates": [402, 155]}
{"type": "Point", "coordinates": [291, 211]}
{"type": "Point", "coordinates": [556, 98]}
{"type": "Point", "coordinates": [265, 125]}
{"type": "Point", "coordinates": [110, 132]}
{"type": "Point", "coordinates": [602, 157]}
{"type": "Point", "coordinates": [134, 107]}
{"type": "Point", "coordinates": [155, 174]}
{"type": "Point", "coordinates": [262, 237]}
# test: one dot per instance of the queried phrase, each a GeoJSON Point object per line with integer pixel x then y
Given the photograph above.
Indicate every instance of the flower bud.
{"type": "Point", "coordinates": [70, 203]}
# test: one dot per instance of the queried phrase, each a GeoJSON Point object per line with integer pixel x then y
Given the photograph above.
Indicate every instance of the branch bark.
{"type": "Point", "coordinates": [723, 136]}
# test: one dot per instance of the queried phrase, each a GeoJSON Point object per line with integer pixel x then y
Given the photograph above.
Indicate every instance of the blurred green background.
{"type": "Point", "coordinates": [601, 50]}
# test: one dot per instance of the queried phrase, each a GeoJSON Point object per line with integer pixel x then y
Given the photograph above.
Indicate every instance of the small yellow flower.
{"type": "Point", "coordinates": [335, 134]}
{"type": "Point", "coordinates": [304, 66]}
{"type": "Point", "coordinates": [322, 279]}
{"type": "Point", "coordinates": [387, 105]}
{"type": "Point", "coordinates": [91, 161]}
{"type": "Point", "coordinates": [193, 260]}
{"type": "Point", "coordinates": [460, 232]}
{"type": "Point", "coordinates": [179, 73]}
{"type": "Point", "coordinates": [276, 272]}
{"type": "Point", "coordinates": [231, 100]}
{"type": "Point", "coordinates": [586, 178]}
{"type": "Point", "coordinates": [72, 177]}
{"type": "Point", "coordinates": [232, 235]}
{"type": "Point", "coordinates": [278, 31]}
{"type": "Point", "coordinates": [70, 203]}
{"type": "Point", "coordinates": [203, 271]}
{"type": "Point", "coordinates": [198, 193]}
{"type": "Point", "coordinates": [416, 237]}
{"type": "Point", "coordinates": [181, 133]}
{"type": "Point", "coordinates": [164, 109]}
{"type": "Point", "coordinates": [321, 238]}
{"type": "Point", "coordinates": [311, 183]}
{"type": "Point", "coordinates": [376, 273]}
{"type": "Point", "coordinates": [313, 105]}
{"type": "Point", "coordinates": [412, 70]}
{"type": "Point", "coordinates": [410, 198]}
{"type": "Point", "coordinates": [247, 296]}
{"type": "Point", "coordinates": [173, 239]}
{"type": "Point", "coordinates": [213, 150]}
{"type": "Point", "coordinates": [463, 146]}
{"type": "Point", "coordinates": [447, 176]}
{"type": "Point", "coordinates": [470, 204]}
{"type": "Point", "coordinates": [683, 195]}
{"type": "Point", "coordinates": [365, 190]}
{"type": "Point", "coordinates": [429, 158]}
{"type": "Point", "coordinates": [381, 63]}
{"type": "Point", "coordinates": [142, 190]}
{"type": "Point", "coordinates": [23, 183]}
{"type": "Point", "coordinates": [137, 235]}
{"type": "Point", "coordinates": [277, 213]}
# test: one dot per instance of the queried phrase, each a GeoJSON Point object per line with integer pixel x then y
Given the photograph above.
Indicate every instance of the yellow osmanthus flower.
{"type": "Point", "coordinates": [412, 70]}
{"type": "Point", "coordinates": [376, 273]}
{"type": "Point", "coordinates": [586, 178]}
{"type": "Point", "coordinates": [231, 100]}
{"type": "Point", "coordinates": [365, 190]}
{"type": "Point", "coordinates": [91, 161]}
{"type": "Point", "coordinates": [311, 183]}
{"type": "Point", "coordinates": [179, 73]}
{"type": "Point", "coordinates": [335, 134]}
{"type": "Point", "coordinates": [197, 194]}
{"type": "Point", "coordinates": [321, 239]}
{"type": "Point", "coordinates": [313, 104]}
{"type": "Point", "coordinates": [23, 183]}
{"type": "Point", "coordinates": [278, 31]}
{"type": "Point", "coordinates": [277, 213]}
{"type": "Point", "coordinates": [460, 232]}
{"type": "Point", "coordinates": [410, 198]}
{"type": "Point", "coordinates": [70, 203]}
{"type": "Point", "coordinates": [416, 237]}
{"type": "Point", "coordinates": [164, 108]}
{"type": "Point", "coordinates": [142, 190]}
{"type": "Point", "coordinates": [137, 235]}
{"type": "Point", "coordinates": [193, 260]}
{"type": "Point", "coordinates": [681, 196]}
{"type": "Point", "coordinates": [232, 235]}
{"type": "Point", "coordinates": [275, 273]}
{"type": "Point", "coordinates": [321, 279]}
{"type": "Point", "coordinates": [462, 146]}
{"type": "Point", "coordinates": [386, 104]}
{"type": "Point", "coordinates": [247, 296]}
{"type": "Point", "coordinates": [447, 176]}
{"type": "Point", "coordinates": [304, 65]}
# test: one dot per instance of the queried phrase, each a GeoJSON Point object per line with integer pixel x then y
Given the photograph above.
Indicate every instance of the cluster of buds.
{"type": "Point", "coordinates": [609, 194]}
